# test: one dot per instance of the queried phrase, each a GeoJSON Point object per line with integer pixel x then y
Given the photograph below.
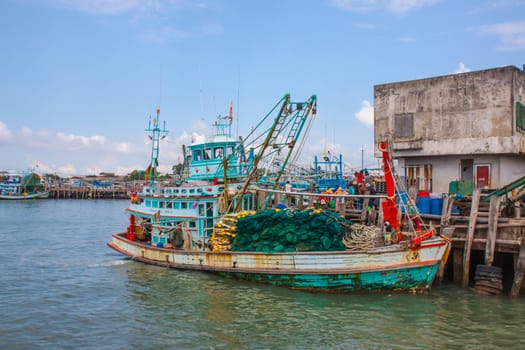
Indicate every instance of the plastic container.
{"type": "Point", "coordinates": [436, 206]}
{"type": "Point", "coordinates": [424, 205]}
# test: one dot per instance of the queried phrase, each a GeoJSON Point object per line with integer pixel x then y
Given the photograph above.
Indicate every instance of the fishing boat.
{"type": "Point", "coordinates": [199, 224]}
{"type": "Point", "coordinates": [14, 186]}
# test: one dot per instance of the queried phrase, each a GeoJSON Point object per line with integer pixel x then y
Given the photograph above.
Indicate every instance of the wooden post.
{"type": "Point", "coordinates": [492, 230]}
{"type": "Point", "coordinates": [519, 270]}
{"type": "Point", "coordinates": [470, 236]}
{"type": "Point", "coordinates": [342, 206]}
{"type": "Point", "coordinates": [446, 212]}
{"type": "Point", "coordinates": [380, 218]}
{"type": "Point", "coordinates": [456, 264]}
{"type": "Point", "coordinates": [364, 208]}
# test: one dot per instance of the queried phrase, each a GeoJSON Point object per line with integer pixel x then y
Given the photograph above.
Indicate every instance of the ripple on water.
{"type": "Point", "coordinates": [62, 287]}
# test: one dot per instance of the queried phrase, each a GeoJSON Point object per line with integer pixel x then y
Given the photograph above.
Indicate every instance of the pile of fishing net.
{"type": "Point", "coordinates": [225, 231]}
{"type": "Point", "coordinates": [275, 231]}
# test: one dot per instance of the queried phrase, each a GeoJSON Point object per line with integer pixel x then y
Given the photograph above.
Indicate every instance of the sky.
{"type": "Point", "coordinates": [79, 79]}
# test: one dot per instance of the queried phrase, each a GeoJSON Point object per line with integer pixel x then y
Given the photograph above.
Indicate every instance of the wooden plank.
{"type": "Point", "coordinates": [470, 236]}
{"type": "Point", "coordinates": [519, 270]}
{"type": "Point", "coordinates": [492, 230]}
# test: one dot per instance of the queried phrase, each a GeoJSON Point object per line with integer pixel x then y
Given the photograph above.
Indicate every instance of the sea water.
{"type": "Point", "coordinates": [61, 287]}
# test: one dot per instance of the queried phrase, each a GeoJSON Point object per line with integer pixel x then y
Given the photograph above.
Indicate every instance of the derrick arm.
{"type": "Point", "coordinates": [282, 135]}
{"type": "Point", "coordinates": [389, 206]}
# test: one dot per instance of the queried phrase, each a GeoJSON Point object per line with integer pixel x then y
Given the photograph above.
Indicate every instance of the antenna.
{"type": "Point", "coordinates": [160, 89]}
{"type": "Point", "coordinates": [239, 101]}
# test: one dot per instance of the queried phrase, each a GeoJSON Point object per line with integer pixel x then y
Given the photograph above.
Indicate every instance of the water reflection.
{"type": "Point", "coordinates": [197, 310]}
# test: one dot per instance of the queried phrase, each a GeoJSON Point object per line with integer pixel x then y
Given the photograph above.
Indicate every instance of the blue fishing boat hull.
{"type": "Point", "coordinates": [416, 277]}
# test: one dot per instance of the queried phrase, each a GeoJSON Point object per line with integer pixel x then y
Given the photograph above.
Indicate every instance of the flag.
{"type": "Point", "coordinates": [231, 112]}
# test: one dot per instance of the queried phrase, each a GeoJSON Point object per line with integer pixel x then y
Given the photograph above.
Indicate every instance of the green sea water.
{"type": "Point", "coordinates": [61, 287]}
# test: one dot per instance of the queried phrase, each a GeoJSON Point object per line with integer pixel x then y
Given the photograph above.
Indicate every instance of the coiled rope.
{"type": "Point", "coordinates": [361, 237]}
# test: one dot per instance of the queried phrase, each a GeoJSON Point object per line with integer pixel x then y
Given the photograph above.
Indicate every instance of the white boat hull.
{"type": "Point", "coordinates": [393, 267]}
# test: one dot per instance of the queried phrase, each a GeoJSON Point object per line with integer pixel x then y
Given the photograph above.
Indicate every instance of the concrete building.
{"type": "Point", "coordinates": [464, 127]}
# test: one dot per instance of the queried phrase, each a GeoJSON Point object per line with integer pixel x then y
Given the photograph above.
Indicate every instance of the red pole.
{"type": "Point", "coordinates": [390, 213]}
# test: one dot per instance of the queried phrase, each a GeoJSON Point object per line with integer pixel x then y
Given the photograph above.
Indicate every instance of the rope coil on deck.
{"type": "Point", "coordinates": [361, 237]}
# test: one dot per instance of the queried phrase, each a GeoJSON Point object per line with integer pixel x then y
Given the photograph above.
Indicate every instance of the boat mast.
{"type": "Point", "coordinates": [155, 136]}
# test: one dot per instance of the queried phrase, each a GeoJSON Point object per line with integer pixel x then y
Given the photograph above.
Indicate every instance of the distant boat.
{"type": "Point", "coordinates": [15, 186]}
{"type": "Point", "coordinates": [197, 225]}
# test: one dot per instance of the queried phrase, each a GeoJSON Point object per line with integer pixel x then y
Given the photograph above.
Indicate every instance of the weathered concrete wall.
{"type": "Point", "coordinates": [468, 113]}
{"type": "Point", "coordinates": [504, 169]}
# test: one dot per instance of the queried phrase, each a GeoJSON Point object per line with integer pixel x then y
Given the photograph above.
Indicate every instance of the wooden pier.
{"type": "Point", "coordinates": [481, 238]}
{"type": "Point", "coordinates": [88, 192]}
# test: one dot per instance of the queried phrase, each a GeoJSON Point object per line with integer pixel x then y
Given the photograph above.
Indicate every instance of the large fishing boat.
{"type": "Point", "coordinates": [15, 186]}
{"type": "Point", "coordinates": [221, 219]}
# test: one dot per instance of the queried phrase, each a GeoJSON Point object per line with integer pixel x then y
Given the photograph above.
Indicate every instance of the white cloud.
{"type": "Point", "coordinates": [394, 6]}
{"type": "Point", "coordinates": [164, 34]}
{"type": "Point", "coordinates": [407, 39]}
{"type": "Point", "coordinates": [211, 28]}
{"type": "Point", "coordinates": [5, 133]}
{"type": "Point", "coordinates": [104, 7]}
{"type": "Point", "coordinates": [366, 113]}
{"type": "Point", "coordinates": [367, 26]}
{"type": "Point", "coordinates": [67, 170]}
{"type": "Point", "coordinates": [462, 68]}
{"type": "Point", "coordinates": [511, 35]}
{"type": "Point", "coordinates": [402, 6]}
{"type": "Point", "coordinates": [44, 139]}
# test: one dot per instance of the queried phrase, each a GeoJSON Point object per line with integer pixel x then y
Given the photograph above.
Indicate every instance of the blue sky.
{"type": "Point", "coordinates": [79, 79]}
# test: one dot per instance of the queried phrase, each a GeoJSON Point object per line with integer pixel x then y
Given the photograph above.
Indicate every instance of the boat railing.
{"type": "Point", "coordinates": [317, 194]}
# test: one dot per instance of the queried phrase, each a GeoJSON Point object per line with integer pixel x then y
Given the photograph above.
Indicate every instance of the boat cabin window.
{"type": "Point", "coordinates": [192, 224]}
{"type": "Point", "coordinates": [183, 191]}
{"type": "Point", "coordinates": [184, 205]}
{"type": "Point", "coordinates": [176, 205]}
{"type": "Point", "coordinates": [176, 191]}
{"type": "Point", "coordinates": [229, 150]}
{"type": "Point", "coordinates": [197, 154]}
{"type": "Point", "coordinates": [148, 203]}
{"type": "Point", "coordinates": [162, 204]}
{"type": "Point", "coordinates": [218, 152]}
{"type": "Point", "coordinates": [192, 190]}
{"type": "Point", "coordinates": [155, 204]}
{"type": "Point", "coordinates": [169, 205]}
{"type": "Point", "coordinates": [207, 153]}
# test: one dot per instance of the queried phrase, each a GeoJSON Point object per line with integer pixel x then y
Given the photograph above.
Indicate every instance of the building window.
{"type": "Point", "coordinates": [404, 126]}
{"type": "Point", "coordinates": [520, 116]}
{"type": "Point", "coordinates": [419, 176]}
